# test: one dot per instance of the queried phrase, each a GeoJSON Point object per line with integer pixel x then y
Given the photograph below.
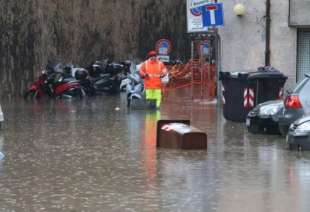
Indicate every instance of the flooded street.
{"type": "Point", "coordinates": [86, 156]}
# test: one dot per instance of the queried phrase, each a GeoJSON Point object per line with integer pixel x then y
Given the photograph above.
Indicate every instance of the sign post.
{"type": "Point", "coordinates": [163, 49]}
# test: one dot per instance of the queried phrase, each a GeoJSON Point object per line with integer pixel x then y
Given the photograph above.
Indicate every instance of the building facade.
{"type": "Point", "coordinates": [244, 37]}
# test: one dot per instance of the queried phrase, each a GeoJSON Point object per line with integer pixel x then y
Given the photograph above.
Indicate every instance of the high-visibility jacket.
{"type": "Point", "coordinates": [154, 69]}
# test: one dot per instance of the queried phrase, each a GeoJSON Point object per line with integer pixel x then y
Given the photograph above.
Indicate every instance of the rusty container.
{"type": "Point", "coordinates": [178, 134]}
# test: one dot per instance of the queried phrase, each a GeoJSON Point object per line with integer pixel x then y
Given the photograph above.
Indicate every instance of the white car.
{"type": "Point", "coordinates": [1, 116]}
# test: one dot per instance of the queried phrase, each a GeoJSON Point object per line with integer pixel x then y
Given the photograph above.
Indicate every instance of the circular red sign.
{"type": "Point", "coordinates": [163, 47]}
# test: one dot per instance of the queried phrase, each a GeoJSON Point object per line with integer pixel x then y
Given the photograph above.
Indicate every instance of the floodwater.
{"type": "Point", "coordinates": [86, 156]}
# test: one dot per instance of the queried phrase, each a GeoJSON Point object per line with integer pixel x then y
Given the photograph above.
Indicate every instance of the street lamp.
{"type": "Point", "coordinates": [239, 9]}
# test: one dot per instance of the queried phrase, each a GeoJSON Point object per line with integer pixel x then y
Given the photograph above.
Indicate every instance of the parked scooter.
{"type": "Point", "coordinates": [82, 75]}
{"type": "Point", "coordinates": [135, 91]}
{"type": "Point", "coordinates": [134, 88]}
{"type": "Point", "coordinates": [61, 85]}
{"type": "Point", "coordinates": [107, 77]}
{"type": "Point", "coordinates": [36, 89]}
{"type": "Point", "coordinates": [54, 83]}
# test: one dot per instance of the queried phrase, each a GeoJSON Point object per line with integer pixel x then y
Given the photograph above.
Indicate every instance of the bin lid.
{"type": "Point", "coordinates": [266, 72]}
{"type": "Point", "coordinates": [234, 75]}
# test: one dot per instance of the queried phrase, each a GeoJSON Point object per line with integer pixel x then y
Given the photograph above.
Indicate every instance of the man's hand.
{"type": "Point", "coordinates": [162, 75]}
{"type": "Point", "coordinates": [146, 76]}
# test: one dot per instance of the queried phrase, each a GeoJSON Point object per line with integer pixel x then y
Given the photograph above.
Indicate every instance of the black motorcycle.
{"type": "Point", "coordinates": [82, 75]}
{"type": "Point", "coordinates": [107, 76]}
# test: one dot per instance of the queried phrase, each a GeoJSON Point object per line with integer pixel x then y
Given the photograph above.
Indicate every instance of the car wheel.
{"type": "Point", "coordinates": [283, 130]}
{"type": "Point", "coordinates": [272, 130]}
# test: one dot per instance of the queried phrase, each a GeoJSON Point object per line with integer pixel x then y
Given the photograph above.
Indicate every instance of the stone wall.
{"type": "Point", "coordinates": [80, 31]}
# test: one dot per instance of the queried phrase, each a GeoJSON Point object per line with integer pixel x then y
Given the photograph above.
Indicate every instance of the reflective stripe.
{"type": "Point", "coordinates": [248, 96]}
{"type": "Point", "coordinates": [154, 75]}
{"type": "Point", "coordinates": [281, 93]}
{"type": "Point", "coordinates": [223, 97]}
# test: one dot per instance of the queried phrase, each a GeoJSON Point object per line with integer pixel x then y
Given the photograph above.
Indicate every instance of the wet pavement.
{"type": "Point", "coordinates": [87, 156]}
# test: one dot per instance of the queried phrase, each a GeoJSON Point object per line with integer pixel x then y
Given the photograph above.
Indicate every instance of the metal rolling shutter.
{"type": "Point", "coordinates": [303, 53]}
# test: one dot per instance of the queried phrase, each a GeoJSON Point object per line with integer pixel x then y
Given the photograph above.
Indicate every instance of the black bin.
{"type": "Point", "coordinates": [242, 91]}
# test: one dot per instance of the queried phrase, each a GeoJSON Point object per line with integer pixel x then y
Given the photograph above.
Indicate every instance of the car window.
{"type": "Point", "coordinates": [304, 85]}
{"type": "Point", "coordinates": [304, 95]}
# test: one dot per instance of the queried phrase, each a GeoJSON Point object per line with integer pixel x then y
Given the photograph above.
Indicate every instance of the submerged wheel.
{"type": "Point", "coordinates": [128, 102]}
{"type": "Point", "coordinates": [77, 92]}
{"type": "Point", "coordinates": [254, 129]}
{"type": "Point", "coordinates": [31, 95]}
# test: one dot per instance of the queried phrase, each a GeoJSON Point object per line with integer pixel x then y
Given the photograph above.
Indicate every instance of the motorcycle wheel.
{"type": "Point", "coordinates": [73, 93]}
{"type": "Point", "coordinates": [128, 102]}
{"type": "Point", "coordinates": [31, 95]}
{"type": "Point", "coordinates": [115, 89]}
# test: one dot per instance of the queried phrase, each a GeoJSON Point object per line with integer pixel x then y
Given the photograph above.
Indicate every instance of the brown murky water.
{"type": "Point", "coordinates": [85, 156]}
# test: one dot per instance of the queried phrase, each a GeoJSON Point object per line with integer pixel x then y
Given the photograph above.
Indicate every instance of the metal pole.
{"type": "Point", "coordinates": [218, 67]}
{"type": "Point", "coordinates": [192, 48]}
{"type": "Point", "coordinates": [202, 74]}
{"type": "Point", "coordinates": [268, 25]}
{"type": "Point", "coordinates": [192, 59]}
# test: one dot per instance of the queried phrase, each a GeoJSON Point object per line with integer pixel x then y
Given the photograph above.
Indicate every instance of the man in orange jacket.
{"type": "Point", "coordinates": [152, 70]}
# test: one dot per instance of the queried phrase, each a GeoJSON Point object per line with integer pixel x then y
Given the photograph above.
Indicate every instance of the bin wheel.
{"type": "Point", "coordinates": [290, 146]}
{"type": "Point", "coordinates": [299, 148]}
{"type": "Point", "coordinates": [283, 130]}
{"type": "Point", "coordinates": [254, 129]}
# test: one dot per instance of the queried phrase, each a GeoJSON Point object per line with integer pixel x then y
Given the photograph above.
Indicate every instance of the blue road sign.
{"type": "Point", "coordinates": [205, 48]}
{"type": "Point", "coordinates": [163, 47]}
{"type": "Point", "coordinates": [212, 15]}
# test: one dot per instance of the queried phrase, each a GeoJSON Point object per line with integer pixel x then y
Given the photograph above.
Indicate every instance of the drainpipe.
{"type": "Point", "coordinates": [268, 23]}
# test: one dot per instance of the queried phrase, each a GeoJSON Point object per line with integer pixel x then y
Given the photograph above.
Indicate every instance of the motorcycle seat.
{"type": "Point", "coordinates": [69, 79]}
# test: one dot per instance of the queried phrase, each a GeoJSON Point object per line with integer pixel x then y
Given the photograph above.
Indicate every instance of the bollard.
{"type": "Point", "coordinates": [178, 134]}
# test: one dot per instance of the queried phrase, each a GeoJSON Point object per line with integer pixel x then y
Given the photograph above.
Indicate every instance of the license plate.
{"type": "Point", "coordinates": [248, 122]}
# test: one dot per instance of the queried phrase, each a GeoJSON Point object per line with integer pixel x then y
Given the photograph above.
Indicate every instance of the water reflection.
{"type": "Point", "coordinates": [148, 145]}
{"type": "Point", "coordinates": [1, 149]}
{"type": "Point", "coordinates": [85, 156]}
